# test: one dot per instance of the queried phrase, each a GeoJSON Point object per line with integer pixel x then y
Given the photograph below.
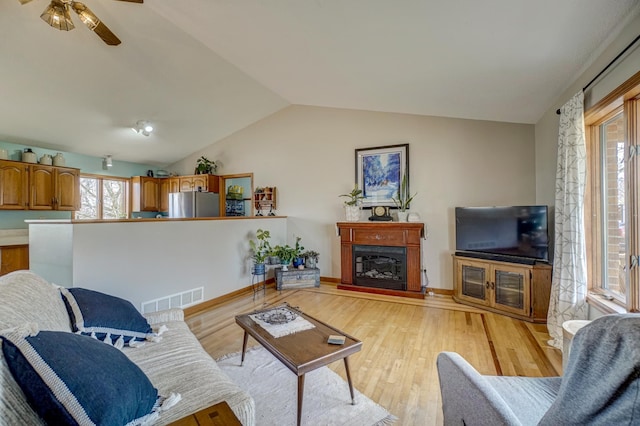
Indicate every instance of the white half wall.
{"type": "Point", "coordinates": [308, 153]}
{"type": "Point", "coordinates": [146, 260]}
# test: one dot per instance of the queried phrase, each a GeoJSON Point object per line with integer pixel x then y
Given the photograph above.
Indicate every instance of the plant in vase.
{"type": "Point", "coordinates": [403, 198]}
{"type": "Point", "coordinates": [352, 205]}
{"type": "Point", "coordinates": [311, 258]}
{"type": "Point", "coordinates": [298, 259]}
{"type": "Point", "coordinates": [285, 253]}
{"type": "Point", "coordinates": [260, 250]}
{"type": "Point", "coordinates": [204, 166]}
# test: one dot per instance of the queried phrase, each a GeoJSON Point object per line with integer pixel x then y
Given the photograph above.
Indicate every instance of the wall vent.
{"type": "Point", "coordinates": [177, 300]}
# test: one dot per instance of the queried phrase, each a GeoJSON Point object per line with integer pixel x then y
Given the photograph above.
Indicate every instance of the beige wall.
{"type": "Point", "coordinates": [308, 154]}
{"type": "Point", "coordinates": [546, 129]}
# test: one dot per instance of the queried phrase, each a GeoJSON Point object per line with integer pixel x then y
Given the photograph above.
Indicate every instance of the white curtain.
{"type": "Point", "coordinates": [569, 282]}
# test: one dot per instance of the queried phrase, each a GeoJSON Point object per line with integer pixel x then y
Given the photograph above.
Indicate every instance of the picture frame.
{"type": "Point", "coordinates": [379, 172]}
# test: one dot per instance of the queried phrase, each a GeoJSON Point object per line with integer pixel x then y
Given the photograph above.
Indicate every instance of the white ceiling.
{"type": "Point", "coordinates": [203, 69]}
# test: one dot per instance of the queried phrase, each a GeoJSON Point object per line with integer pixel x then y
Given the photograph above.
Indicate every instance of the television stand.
{"type": "Point", "coordinates": [506, 287]}
{"type": "Point", "coordinates": [498, 257]}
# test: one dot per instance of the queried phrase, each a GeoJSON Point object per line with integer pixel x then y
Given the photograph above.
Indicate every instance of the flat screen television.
{"type": "Point", "coordinates": [514, 231]}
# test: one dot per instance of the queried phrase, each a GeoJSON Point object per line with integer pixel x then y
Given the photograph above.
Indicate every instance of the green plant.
{"type": "Point", "coordinates": [205, 166]}
{"type": "Point", "coordinates": [355, 196]}
{"type": "Point", "coordinates": [298, 248]}
{"type": "Point", "coordinates": [261, 248]}
{"type": "Point", "coordinates": [403, 198]}
{"type": "Point", "coordinates": [310, 254]}
{"type": "Point", "coordinates": [285, 253]}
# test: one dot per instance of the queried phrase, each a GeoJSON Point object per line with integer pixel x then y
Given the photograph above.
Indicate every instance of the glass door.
{"type": "Point", "coordinates": [473, 282]}
{"type": "Point", "coordinates": [512, 289]}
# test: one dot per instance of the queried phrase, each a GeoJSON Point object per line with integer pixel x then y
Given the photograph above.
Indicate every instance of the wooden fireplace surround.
{"type": "Point", "coordinates": [393, 234]}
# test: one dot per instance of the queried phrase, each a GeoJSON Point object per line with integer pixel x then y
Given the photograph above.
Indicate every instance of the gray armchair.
{"type": "Point", "coordinates": [600, 386]}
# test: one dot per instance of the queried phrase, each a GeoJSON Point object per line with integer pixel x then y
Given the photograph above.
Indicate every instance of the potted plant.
{"type": "Point", "coordinates": [403, 198]}
{"type": "Point", "coordinates": [286, 254]}
{"type": "Point", "coordinates": [261, 249]}
{"type": "Point", "coordinates": [298, 259]}
{"type": "Point", "coordinates": [352, 205]}
{"type": "Point", "coordinates": [204, 166]}
{"type": "Point", "coordinates": [311, 258]}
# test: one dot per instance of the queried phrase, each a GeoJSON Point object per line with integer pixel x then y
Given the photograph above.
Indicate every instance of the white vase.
{"type": "Point", "coordinates": [352, 213]}
{"type": "Point", "coordinates": [402, 216]}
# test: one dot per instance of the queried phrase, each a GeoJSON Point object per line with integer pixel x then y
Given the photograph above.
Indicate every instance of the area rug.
{"type": "Point", "coordinates": [275, 390]}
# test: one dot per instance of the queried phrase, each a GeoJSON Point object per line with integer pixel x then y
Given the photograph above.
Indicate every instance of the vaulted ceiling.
{"type": "Point", "coordinates": [201, 70]}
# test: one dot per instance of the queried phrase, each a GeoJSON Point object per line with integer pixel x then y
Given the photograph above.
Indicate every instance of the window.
{"type": "Point", "coordinates": [613, 180]}
{"type": "Point", "coordinates": [103, 197]}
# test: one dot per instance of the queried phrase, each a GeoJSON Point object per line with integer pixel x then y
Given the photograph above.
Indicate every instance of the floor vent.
{"type": "Point", "coordinates": [178, 300]}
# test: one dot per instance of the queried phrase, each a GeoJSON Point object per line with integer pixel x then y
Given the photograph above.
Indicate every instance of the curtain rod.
{"type": "Point", "coordinates": [607, 67]}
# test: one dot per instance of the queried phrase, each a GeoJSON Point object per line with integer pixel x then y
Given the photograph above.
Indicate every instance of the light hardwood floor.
{"type": "Point", "coordinates": [401, 339]}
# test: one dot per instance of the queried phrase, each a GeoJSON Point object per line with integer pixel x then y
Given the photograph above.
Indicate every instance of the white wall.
{"type": "Point", "coordinates": [308, 154]}
{"type": "Point", "coordinates": [158, 259]}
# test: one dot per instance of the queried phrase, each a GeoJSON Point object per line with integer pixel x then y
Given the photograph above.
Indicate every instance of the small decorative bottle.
{"type": "Point", "coordinates": [58, 160]}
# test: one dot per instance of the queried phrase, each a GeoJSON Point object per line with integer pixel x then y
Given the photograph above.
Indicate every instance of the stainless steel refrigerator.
{"type": "Point", "coordinates": [194, 204]}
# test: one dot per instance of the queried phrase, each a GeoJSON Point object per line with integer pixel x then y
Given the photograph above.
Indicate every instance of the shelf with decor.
{"type": "Point", "coordinates": [265, 201]}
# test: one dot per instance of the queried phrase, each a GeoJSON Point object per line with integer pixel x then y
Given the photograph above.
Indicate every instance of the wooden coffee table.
{"type": "Point", "coordinates": [303, 351]}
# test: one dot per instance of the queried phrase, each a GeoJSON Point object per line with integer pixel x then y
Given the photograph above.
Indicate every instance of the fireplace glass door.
{"type": "Point", "coordinates": [380, 266]}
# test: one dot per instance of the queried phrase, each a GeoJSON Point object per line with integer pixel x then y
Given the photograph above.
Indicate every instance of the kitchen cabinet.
{"type": "Point", "coordinates": [144, 194]}
{"type": "Point", "coordinates": [163, 194]}
{"type": "Point", "coordinates": [13, 258]}
{"type": "Point", "coordinates": [174, 184]}
{"type": "Point", "coordinates": [38, 187]}
{"type": "Point", "coordinates": [518, 290]}
{"type": "Point", "coordinates": [14, 185]}
{"type": "Point", "coordinates": [204, 183]}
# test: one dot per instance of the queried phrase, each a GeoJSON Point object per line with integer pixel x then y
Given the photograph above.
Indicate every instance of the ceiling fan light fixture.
{"type": "Point", "coordinates": [86, 15]}
{"type": "Point", "coordinates": [143, 127]}
{"type": "Point", "coordinates": [57, 15]}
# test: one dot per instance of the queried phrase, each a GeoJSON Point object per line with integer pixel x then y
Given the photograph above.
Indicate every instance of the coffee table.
{"type": "Point", "coordinates": [302, 351]}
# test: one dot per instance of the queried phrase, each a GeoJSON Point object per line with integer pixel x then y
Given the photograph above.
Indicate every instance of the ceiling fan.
{"type": "Point", "coordinates": [58, 16]}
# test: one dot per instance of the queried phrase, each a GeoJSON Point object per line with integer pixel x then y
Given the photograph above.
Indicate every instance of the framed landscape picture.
{"type": "Point", "coordinates": [379, 172]}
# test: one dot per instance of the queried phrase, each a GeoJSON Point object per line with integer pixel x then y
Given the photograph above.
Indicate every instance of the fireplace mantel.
{"type": "Point", "coordinates": [393, 234]}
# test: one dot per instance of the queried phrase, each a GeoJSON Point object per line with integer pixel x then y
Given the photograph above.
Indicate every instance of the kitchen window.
{"type": "Point", "coordinates": [612, 197]}
{"type": "Point", "coordinates": [103, 197]}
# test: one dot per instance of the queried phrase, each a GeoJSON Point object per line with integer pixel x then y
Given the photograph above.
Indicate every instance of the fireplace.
{"type": "Point", "coordinates": [380, 267]}
{"type": "Point", "coordinates": [381, 257]}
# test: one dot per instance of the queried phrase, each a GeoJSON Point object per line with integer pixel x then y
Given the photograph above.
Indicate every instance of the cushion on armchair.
{"type": "Point", "coordinates": [108, 318]}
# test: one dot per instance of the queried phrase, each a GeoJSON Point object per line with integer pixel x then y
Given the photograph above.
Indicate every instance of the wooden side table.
{"type": "Point", "coordinates": [216, 415]}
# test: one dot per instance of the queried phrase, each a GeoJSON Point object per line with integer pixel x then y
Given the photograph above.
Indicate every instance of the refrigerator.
{"type": "Point", "coordinates": [194, 204]}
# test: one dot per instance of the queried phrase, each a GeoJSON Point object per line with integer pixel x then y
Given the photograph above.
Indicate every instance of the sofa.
{"type": "Point", "coordinates": [175, 363]}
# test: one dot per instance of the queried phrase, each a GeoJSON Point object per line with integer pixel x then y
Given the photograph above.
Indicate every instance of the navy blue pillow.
{"type": "Point", "coordinates": [72, 379]}
{"type": "Point", "coordinates": [94, 312]}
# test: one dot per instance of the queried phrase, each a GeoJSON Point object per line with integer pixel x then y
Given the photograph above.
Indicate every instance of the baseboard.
{"type": "Point", "coordinates": [271, 282]}
{"type": "Point", "coordinates": [442, 291]}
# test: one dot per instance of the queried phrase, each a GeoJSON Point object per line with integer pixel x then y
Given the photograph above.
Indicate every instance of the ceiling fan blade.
{"type": "Point", "coordinates": [91, 20]}
{"type": "Point", "coordinates": [130, 1]}
{"type": "Point", "coordinates": [27, 1]}
{"type": "Point", "coordinates": [106, 35]}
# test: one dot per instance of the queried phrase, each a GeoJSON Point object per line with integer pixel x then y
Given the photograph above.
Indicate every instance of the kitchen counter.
{"type": "Point", "coordinates": [14, 237]}
{"type": "Point", "coordinates": [149, 219]}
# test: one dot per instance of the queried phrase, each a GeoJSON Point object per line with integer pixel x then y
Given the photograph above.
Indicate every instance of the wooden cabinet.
{"type": "Point", "coordinates": [149, 194]}
{"type": "Point", "coordinates": [14, 185]}
{"type": "Point", "coordinates": [144, 194]}
{"type": "Point", "coordinates": [13, 258]}
{"type": "Point", "coordinates": [54, 188]}
{"type": "Point", "coordinates": [204, 183]}
{"type": "Point", "coordinates": [163, 194]}
{"type": "Point", "coordinates": [37, 187]}
{"type": "Point", "coordinates": [174, 184]}
{"type": "Point", "coordinates": [520, 291]}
